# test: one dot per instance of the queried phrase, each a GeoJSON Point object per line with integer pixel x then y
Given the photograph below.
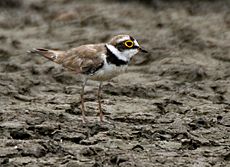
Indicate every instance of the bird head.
{"type": "Point", "coordinates": [124, 47]}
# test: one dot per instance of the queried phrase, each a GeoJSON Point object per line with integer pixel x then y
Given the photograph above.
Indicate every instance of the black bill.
{"type": "Point", "coordinates": [142, 50]}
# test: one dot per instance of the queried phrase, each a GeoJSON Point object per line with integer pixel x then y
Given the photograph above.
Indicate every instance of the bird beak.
{"type": "Point", "coordinates": [142, 50]}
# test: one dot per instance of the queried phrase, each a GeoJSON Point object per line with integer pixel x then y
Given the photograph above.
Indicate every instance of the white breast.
{"type": "Point", "coordinates": [108, 71]}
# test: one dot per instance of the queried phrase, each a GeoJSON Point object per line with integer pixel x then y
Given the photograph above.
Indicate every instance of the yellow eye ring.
{"type": "Point", "coordinates": [129, 43]}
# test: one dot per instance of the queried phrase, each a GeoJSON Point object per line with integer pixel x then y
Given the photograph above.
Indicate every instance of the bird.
{"type": "Point", "coordinates": [100, 62]}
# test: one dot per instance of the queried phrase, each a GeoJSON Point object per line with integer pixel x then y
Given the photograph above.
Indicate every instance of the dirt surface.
{"type": "Point", "coordinates": [172, 107]}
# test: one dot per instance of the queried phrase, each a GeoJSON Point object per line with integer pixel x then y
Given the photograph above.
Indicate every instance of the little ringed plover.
{"type": "Point", "coordinates": [100, 62]}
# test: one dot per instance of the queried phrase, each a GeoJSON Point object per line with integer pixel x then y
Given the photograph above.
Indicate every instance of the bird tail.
{"type": "Point", "coordinates": [54, 55]}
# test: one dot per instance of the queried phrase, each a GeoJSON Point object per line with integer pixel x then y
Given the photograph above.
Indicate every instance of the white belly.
{"type": "Point", "coordinates": [108, 72]}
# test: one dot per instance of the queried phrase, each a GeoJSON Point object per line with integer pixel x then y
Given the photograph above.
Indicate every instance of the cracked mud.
{"type": "Point", "coordinates": [172, 107]}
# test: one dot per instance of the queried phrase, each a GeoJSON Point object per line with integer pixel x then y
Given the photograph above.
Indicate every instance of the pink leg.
{"type": "Point", "coordinates": [82, 102]}
{"type": "Point", "coordinates": [99, 102]}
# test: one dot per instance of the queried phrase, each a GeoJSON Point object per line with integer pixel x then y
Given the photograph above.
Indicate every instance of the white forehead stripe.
{"type": "Point", "coordinates": [136, 43]}
{"type": "Point", "coordinates": [125, 38]}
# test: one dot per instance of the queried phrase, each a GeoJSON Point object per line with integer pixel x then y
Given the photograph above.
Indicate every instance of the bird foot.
{"type": "Point", "coordinates": [104, 121]}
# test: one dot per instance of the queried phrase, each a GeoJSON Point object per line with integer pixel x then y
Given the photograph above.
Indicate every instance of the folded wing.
{"type": "Point", "coordinates": [86, 59]}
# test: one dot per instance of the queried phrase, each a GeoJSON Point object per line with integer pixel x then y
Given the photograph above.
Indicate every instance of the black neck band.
{"type": "Point", "coordinates": [113, 59]}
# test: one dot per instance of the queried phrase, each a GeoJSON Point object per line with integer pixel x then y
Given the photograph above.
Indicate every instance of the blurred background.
{"type": "Point", "coordinates": [170, 109]}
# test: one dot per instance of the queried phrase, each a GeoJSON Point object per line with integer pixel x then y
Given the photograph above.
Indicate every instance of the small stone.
{"type": "Point", "coordinates": [36, 150]}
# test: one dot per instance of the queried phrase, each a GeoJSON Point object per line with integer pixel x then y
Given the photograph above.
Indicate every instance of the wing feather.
{"type": "Point", "coordinates": [85, 59]}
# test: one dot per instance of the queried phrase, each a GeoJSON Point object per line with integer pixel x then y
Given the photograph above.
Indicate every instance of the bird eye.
{"type": "Point", "coordinates": [129, 43]}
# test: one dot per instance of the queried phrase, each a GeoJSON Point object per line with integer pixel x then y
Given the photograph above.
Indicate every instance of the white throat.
{"type": "Point", "coordinates": [125, 55]}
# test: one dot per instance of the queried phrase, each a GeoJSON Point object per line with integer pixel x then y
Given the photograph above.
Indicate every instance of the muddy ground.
{"type": "Point", "coordinates": [172, 107]}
